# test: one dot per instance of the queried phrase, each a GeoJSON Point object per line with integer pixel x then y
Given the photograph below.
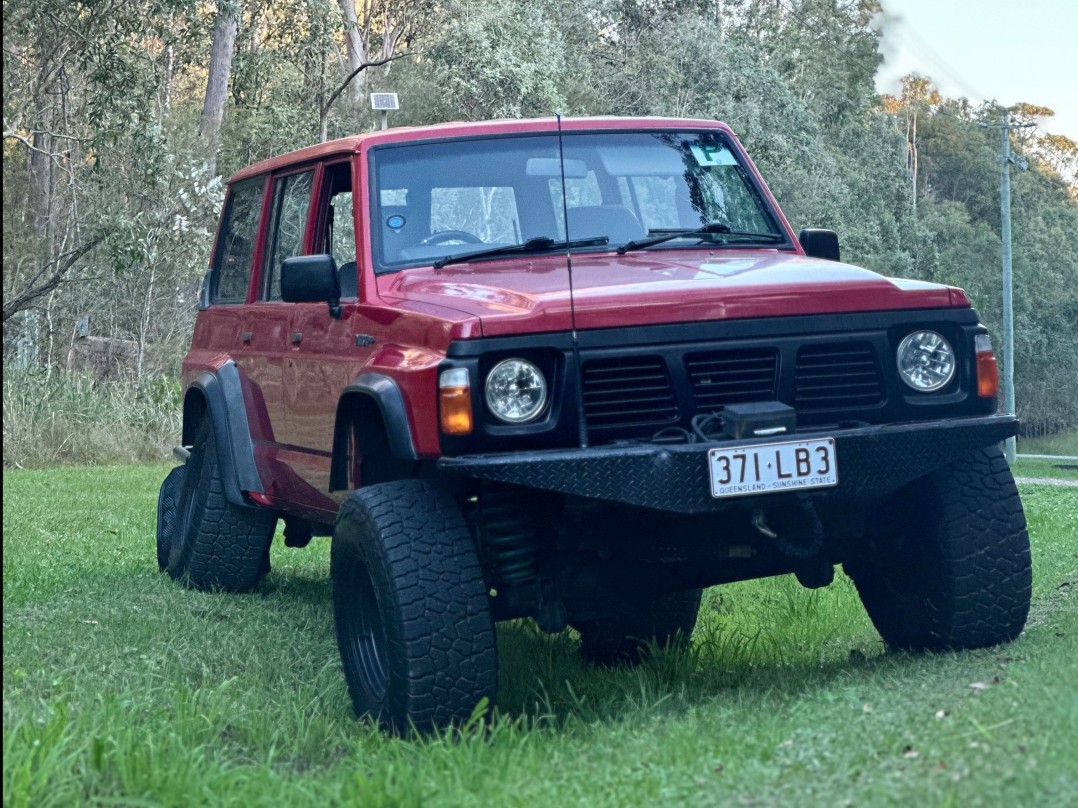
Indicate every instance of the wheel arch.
{"type": "Point", "coordinates": [219, 396]}
{"type": "Point", "coordinates": [374, 404]}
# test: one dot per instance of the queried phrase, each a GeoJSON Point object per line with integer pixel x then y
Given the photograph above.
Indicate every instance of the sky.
{"type": "Point", "coordinates": [988, 49]}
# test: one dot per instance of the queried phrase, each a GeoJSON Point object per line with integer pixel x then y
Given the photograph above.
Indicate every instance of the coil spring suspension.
{"type": "Point", "coordinates": [508, 522]}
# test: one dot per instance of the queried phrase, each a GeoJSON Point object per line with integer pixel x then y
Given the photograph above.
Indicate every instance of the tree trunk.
{"type": "Point", "coordinates": [225, 28]}
{"type": "Point", "coordinates": [40, 166]}
{"type": "Point", "coordinates": [357, 53]}
{"type": "Point", "coordinates": [166, 95]}
{"type": "Point", "coordinates": [144, 324]}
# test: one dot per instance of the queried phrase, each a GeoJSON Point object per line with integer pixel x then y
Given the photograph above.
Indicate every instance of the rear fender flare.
{"type": "Point", "coordinates": [219, 396]}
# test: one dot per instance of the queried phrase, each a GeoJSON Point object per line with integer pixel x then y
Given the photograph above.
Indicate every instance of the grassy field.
{"type": "Point", "coordinates": [122, 688]}
{"type": "Point", "coordinates": [1038, 468]}
{"type": "Point", "coordinates": [1064, 443]}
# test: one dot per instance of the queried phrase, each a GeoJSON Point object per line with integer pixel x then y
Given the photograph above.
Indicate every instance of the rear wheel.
{"type": "Point", "coordinates": [953, 568]}
{"type": "Point", "coordinates": [413, 616]}
{"type": "Point", "coordinates": [168, 500]}
{"type": "Point", "coordinates": [625, 639]}
{"type": "Point", "coordinates": [216, 545]}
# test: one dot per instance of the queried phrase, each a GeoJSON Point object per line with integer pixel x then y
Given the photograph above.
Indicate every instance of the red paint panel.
{"type": "Point", "coordinates": [651, 287]}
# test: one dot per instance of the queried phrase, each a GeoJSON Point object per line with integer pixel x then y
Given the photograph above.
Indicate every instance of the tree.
{"type": "Point", "coordinates": [486, 60]}
{"type": "Point", "coordinates": [225, 28]}
{"type": "Point", "coordinates": [378, 35]}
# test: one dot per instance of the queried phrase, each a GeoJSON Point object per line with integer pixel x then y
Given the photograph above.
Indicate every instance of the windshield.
{"type": "Point", "coordinates": [432, 201]}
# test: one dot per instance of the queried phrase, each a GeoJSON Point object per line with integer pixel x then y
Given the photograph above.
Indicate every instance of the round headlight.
{"type": "Point", "coordinates": [926, 361]}
{"type": "Point", "coordinates": [516, 391]}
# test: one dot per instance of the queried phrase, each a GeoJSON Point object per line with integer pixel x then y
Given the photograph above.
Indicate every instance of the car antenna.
{"type": "Point", "coordinates": [580, 417]}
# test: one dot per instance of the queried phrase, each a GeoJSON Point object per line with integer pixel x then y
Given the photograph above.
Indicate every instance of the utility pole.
{"type": "Point", "coordinates": [1005, 160]}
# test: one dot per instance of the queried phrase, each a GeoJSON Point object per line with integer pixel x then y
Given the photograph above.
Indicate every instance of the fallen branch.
{"type": "Point", "coordinates": [59, 266]}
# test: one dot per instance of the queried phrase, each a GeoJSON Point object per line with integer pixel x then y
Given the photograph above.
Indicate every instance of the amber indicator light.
{"type": "Point", "coordinates": [987, 368]}
{"type": "Point", "coordinates": [455, 401]}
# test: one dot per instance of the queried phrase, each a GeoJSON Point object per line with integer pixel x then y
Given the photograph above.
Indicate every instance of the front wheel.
{"type": "Point", "coordinates": [951, 567]}
{"type": "Point", "coordinates": [413, 617]}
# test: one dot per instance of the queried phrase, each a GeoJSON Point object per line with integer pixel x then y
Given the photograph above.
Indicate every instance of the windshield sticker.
{"type": "Point", "coordinates": [712, 155]}
{"type": "Point", "coordinates": [395, 222]}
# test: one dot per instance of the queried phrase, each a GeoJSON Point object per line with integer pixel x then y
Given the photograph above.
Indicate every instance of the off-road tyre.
{"type": "Point", "coordinates": [412, 610]}
{"type": "Point", "coordinates": [216, 545]}
{"type": "Point", "coordinates": [168, 500]}
{"type": "Point", "coordinates": [667, 622]}
{"type": "Point", "coordinates": [951, 568]}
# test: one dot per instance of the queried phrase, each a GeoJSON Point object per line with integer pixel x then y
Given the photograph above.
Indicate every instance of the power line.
{"type": "Point", "coordinates": [927, 52]}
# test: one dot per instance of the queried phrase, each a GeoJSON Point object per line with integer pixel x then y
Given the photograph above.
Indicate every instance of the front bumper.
{"type": "Point", "coordinates": [872, 461]}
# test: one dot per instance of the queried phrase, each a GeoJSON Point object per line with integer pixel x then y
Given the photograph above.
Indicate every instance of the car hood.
{"type": "Point", "coordinates": [531, 295]}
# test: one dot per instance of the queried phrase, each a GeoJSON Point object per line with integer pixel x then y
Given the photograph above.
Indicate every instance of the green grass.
{"type": "Point", "coordinates": [1038, 468]}
{"type": "Point", "coordinates": [1064, 443]}
{"type": "Point", "coordinates": [122, 688]}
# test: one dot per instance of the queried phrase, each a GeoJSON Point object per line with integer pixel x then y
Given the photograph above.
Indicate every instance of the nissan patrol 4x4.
{"type": "Point", "coordinates": [576, 370]}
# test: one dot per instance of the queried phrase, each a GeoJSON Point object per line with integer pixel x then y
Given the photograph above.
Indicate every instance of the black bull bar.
{"type": "Point", "coordinates": [872, 461]}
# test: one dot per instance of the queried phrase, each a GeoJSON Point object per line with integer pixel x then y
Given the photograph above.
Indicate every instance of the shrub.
{"type": "Point", "coordinates": [69, 419]}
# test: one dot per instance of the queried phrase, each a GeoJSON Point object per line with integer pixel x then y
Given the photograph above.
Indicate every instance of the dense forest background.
{"type": "Point", "coordinates": [123, 118]}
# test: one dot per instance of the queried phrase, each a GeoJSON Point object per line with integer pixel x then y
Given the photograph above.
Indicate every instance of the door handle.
{"type": "Point", "coordinates": [297, 337]}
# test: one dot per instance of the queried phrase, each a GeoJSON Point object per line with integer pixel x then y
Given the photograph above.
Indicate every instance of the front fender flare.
{"type": "Point", "coordinates": [387, 395]}
{"type": "Point", "coordinates": [383, 392]}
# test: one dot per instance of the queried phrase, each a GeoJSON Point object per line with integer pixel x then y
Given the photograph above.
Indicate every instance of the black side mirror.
{"type": "Point", "coordinates": [820, 243]}
{"type": "Point", "coordinates": [311, 279]}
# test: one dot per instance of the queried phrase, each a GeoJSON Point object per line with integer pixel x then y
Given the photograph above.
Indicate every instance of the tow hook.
{"type": "Point", "coordinates": [759, 521]}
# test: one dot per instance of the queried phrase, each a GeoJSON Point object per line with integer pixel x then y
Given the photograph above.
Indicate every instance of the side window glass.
{"type": "Point", "coordinates": [237, 242]}
{"type": "Point", "coordinates": [343, 230]}
{"type": "Point", "coordinates": [288, 221]}
{"type": "Point", "coordinates": [342, 242]}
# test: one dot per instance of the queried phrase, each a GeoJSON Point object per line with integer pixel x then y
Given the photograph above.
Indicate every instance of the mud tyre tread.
{"type": "Point", "coordinates": [962, 579]}
{"type": "Point", "coordinates": [168, 500]}
{"type": "Point", "coordinates": [217, 545]}
{"type": "Point", "coordinates": [411, 605]}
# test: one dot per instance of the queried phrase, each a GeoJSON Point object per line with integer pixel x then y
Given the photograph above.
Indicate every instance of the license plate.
{"type": "Point", "coordinates": [763, 469]}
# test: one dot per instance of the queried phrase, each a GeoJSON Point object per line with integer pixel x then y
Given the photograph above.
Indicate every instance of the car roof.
{"type": "Point", "coordinates": [353, 144]}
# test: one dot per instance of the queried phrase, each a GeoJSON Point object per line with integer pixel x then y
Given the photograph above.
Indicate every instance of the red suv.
{"type": "Point", "coordinates": [576, 370]}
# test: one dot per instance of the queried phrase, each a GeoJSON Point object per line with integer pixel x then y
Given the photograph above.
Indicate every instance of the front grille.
{"type": "Point", "coordinates": [837, 376]}
{"type": "Point", "coordinates": [628, 391]}
{"type": "Point", "coordinates": [719, 378]}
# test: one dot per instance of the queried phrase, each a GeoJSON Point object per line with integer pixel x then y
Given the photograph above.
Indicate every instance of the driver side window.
{"type": "Point", "coordinates": [288, 224]}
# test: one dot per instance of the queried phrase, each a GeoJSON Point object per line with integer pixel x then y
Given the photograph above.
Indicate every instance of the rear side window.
{"type": "Point", "coordinates": [288, 223]}
{"type": "Point", "coordinates": [235, 252]}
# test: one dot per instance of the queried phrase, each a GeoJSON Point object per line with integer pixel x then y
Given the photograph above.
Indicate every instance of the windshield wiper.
{"type": "Point", "coordinates": [707, 230]}
{"type": "Point", "coordinates": [533, 245]}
